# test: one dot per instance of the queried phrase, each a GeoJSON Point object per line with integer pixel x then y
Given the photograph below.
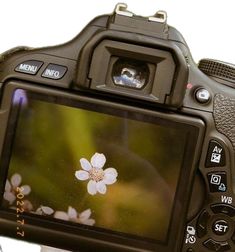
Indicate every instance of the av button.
{"type": "Point", "coordinates": [215, 155]}
{"type": "Point", "coordinates": [220, 227]}
{"type": "Point", "coordinates": [54, 72]}
{"type": "Point", "coordinates": [29, 67]}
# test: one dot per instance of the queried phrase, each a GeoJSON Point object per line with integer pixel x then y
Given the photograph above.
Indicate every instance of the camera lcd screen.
{"type": "Point", "coordinates": [92, 166]}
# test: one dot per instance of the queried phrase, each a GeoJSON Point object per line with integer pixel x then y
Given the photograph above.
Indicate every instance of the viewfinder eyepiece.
{"type": "Point", "coordinates": [130, 73]}
{"type": "Point", "coordinates": [134, 66]}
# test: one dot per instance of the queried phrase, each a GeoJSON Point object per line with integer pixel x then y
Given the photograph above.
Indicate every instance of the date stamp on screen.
{"type": "Point", "coordinates": [19, 211]}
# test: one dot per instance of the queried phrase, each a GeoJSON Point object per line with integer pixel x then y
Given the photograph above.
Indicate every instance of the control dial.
{"type": "Point", "coordinates": [220, 71]}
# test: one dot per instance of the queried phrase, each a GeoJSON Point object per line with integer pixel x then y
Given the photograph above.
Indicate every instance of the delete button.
{"type": "Point", "coordinates": [54, 72]}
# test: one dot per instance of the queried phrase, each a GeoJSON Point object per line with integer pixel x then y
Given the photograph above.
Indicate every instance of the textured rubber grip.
{"type": "Point", "coordinates": [224, 116]}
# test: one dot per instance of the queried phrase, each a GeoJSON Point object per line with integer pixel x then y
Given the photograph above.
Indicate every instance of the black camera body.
{"type": "Point", "coordinates": [137, 69]}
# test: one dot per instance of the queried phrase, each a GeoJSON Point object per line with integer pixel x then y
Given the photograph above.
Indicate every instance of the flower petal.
{"type": "Point", "coordinates": [72, 213]}
{"type": "Point", "coordinates": [9, 196]}
{"type": "Point", "coordinates": [98, 160]}
{"type": "Point", "coordinates": [91, 187]}
{"type": "Point", "coordinates": [61, 215]}
{"type": "Point", "coordinates": [111, 171]}
{"type": "Point", "coordinates": [27, 206]}
{"type": "Point", "coordinates": [101, 187]}
{"type": "Point", "coordinates": [7, 186]}
{"type": "Point", "coordinates": [47, 210]}
{"type": "Point", "coordinates": [39, 211]}
{"type": "Point", "coordinates": [85, 215]}
{"type": "Point", "coordinates": [89, 222]}
{"type": "Point", "coordinates": [85, 164]}
{"type": "Point", "coordinates": [26, 189]}
{"type": "Point", "coordinates": [109, 179]}
{"type": "Point", "coordinates": [16, 180]}
{"type": "Point", "coordinates": [82, 175]}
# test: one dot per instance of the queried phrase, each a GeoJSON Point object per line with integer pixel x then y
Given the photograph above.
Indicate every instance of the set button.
{"type": "Point", "coordinates": [220, 227]}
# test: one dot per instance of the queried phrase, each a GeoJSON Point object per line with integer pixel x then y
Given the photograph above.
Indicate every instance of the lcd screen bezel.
{"type": "Point", "coordinates": [194, 128]}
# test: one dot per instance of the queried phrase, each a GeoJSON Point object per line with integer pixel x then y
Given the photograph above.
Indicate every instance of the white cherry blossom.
{"type": "Point", "coordinates": [93, 171]}
{"type": "Point", "coordinates": [44, 210]}
{"type": "Point", "coordinates": [11, 188]}
{"type": "Point", "coordinates": [73, 215]}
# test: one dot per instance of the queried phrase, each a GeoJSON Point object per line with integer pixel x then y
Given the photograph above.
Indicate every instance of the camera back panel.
{"type": "Point", "coordinates": [125, 93]}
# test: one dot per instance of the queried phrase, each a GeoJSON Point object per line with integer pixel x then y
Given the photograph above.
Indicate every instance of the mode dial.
{"type": "Point", "coordinates": [220, 71]}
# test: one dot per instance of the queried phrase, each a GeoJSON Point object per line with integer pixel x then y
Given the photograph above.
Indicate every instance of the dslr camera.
{"type": "Point", "coordinates": [118, 141]}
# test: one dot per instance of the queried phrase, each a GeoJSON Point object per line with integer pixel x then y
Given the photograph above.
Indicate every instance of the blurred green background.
{"type": "Point", "coordinates": [51, 139]}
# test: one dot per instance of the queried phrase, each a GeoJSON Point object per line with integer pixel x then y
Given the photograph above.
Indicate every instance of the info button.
{"type": "Point", "coordinates": [54, 72]}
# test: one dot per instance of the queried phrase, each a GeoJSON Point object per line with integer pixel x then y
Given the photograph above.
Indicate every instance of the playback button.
{"type": "Point", "coordinates": [54, 72]}
{"type": "Point", "coordinates": [217, 181]}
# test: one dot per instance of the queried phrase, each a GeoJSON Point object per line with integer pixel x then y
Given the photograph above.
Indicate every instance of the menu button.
{"type": "Point", "coordinates": [29, 67]}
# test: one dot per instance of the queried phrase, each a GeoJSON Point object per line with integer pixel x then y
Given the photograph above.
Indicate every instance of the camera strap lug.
{"type": "Point", "coordinates": [125, 20]}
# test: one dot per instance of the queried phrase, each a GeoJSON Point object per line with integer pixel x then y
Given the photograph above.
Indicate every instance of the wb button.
{"type": "Point", "coordinates": [217, 181]}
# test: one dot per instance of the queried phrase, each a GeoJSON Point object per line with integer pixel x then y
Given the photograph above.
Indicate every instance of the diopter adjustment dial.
{"type": "Point", "coordinates": [222, 72]}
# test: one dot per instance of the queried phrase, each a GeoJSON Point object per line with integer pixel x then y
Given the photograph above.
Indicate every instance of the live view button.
{"type": "Point", "coordinates": [29, 67]}
{"type": "Point", "coordinates": [54, 72]}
